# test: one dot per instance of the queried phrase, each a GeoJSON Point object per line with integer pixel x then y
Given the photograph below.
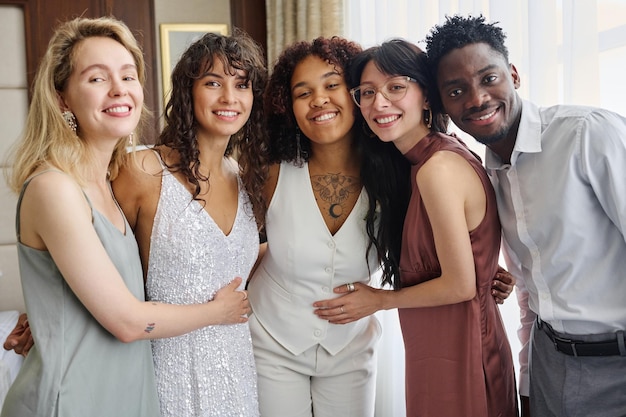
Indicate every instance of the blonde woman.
{"type": "Point", "coordinates": [79, 263]}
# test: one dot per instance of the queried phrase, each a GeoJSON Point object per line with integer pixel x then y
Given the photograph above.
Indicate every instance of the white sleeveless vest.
{"type": "Point", "coordinates": [303, 264]}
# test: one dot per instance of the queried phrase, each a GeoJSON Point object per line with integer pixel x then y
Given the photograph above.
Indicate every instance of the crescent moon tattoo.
{"type": "Point", "coordinates": [331, 211]}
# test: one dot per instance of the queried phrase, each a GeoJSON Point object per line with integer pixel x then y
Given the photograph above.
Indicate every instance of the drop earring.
{"type": "Point", "coordinates": [70, 119]}
{"type": "Point", "coordinates": [130, 139]}
{"type": "Point", "coordinates": [298, 147]}
{"type": "Point", "coordinates": [428, 120]}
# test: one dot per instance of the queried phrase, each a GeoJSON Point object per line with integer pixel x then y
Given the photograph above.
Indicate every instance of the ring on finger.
{"type": "Point", "coordinates": [350, 286]}
{"type": "Point", "coordinates": [341, 309]}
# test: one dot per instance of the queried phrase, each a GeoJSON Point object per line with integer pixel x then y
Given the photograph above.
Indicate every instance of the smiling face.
{"type": "Point", "coordinates": [322, 104]}
{"type": "Point", "coordinates": [399, 121]}
{"type": "Point", "coordinates": [103, 91]}
{"type": "Point", "coordinates": [222, 101]}
{"type": "Point", "coordinates": [477, 88]}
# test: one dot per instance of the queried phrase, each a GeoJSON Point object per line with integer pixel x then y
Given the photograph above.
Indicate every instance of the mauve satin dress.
{"type": "Point", "coordinates": [458, 358]}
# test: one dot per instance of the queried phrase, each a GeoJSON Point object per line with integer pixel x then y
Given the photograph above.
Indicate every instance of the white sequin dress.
{"type": "Point", "coordinates": [211, 371]}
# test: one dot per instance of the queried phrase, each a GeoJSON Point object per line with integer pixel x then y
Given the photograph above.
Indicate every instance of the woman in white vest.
{"type": "Point", "coordinates": [336, 203]}
{"type": "Point", "coordinates": [328, 224]}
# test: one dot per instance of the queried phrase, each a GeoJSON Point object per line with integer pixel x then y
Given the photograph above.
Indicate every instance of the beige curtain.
{"type": "Point", "coordinates": [295, 20]}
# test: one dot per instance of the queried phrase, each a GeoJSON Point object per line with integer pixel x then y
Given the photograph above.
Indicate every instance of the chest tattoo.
{"type": "Point", "coordinates": [335, 190]}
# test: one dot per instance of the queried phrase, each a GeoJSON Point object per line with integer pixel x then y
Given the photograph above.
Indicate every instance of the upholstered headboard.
{"type": "Point", "coordinates": [10, 288]}
{"type": "Point", "coordinates": [11, 297]}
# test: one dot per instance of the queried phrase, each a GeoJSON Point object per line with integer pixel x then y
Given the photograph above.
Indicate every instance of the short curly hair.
{"type": "Point", "coordinates": [459, 31]}
{"type": "Point", "coordinates": [278, 105]}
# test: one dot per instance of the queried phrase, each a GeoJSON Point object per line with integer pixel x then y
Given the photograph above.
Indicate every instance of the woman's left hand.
{"type": "Point", "coordinates": [356, 301]}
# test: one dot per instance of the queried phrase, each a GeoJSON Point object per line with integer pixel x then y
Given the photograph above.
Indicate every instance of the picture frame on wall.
{"type": "Point", "coordinates": [175, 38]}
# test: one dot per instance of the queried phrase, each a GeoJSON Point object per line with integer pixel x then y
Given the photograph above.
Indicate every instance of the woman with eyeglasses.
{"type": "Point", "coordinates": [458, 359]}
{"type": "Point", "coordinates": [337, 199]}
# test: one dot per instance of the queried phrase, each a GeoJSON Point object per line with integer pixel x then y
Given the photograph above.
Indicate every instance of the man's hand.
{"type": "Point", "coordinates": [20, 340]}
{"type": "Point", "coordinates": [502, 285]}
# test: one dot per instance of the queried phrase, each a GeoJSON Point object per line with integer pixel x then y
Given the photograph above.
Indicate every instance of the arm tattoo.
{"type": "Point", "coordinates": [149, 327]}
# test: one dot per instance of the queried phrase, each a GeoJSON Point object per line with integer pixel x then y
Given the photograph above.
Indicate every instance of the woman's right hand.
{"type": "Point", "coordinates": [235, 306]}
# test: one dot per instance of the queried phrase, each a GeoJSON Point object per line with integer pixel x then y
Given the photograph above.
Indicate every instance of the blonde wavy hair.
{"type": "Point", "coordinates": [47, 138]}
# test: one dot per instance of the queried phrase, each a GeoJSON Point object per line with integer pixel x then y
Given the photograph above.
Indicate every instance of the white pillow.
{"type": "Point", "coordinates": [5, 382]}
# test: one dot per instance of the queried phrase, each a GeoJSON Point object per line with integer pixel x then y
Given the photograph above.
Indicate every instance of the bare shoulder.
{"type": "Point", "coordinates": [448, 182]}
{"type": "Point", "coordinates": [142, 163]}
{"type": "Point", "coordinates": [138, 184]}
{"type": "Point", "coordinates": [447, 168]}
{"type": "Point", "coordinates": [65, 205]}
{"type": "Point", "coordinates": [141, 170]}
{"type": "Point", "coordinates": [53, 187]}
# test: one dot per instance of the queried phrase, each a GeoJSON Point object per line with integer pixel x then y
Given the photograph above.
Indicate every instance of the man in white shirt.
{"type": "Point", "coordinates": [560, 179]}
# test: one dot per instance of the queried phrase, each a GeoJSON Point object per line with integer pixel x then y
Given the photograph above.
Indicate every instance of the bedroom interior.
{"type": "Point", "coordinates": [586, 61]}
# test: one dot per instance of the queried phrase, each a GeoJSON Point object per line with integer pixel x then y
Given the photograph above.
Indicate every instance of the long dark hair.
{"type": "Point", "coordinates": [398, 57]}
{"type": "Point", "coordinates": [237, 52]}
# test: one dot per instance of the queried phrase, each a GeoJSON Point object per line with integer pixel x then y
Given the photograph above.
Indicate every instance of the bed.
{"type": "Point", "coordinates": [10, 362]}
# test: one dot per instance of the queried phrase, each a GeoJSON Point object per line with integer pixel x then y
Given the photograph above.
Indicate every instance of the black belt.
{"type": "Point", "coordinates": [613, 347]}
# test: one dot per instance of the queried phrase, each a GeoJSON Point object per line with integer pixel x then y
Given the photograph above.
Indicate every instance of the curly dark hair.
{"type": "Point", "coordinates": [237, 52]}
{"type": "Point", "coordinates": [281, 122]}
{"type": "Point", "coordinates": [459, 31]}
{"type": "Point", "coordinates": [382, 166]}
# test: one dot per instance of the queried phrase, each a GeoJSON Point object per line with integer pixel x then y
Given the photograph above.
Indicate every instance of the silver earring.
{"type": "Point", "coordinates": [429, 120]}
{"type": "Point", "coordinates": [70, 119]}
{"type": "Point", "coordinates": [130, 139]}
{"type": "Point", "coordinates": [298, 148]}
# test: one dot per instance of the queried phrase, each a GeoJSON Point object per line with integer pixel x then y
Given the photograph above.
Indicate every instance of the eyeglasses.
{"type": "Point", "coordinates": [393, 90]}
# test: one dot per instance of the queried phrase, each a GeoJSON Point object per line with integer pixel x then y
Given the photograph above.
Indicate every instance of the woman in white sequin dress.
{"type": "Point", "coordinates": [195, 223]}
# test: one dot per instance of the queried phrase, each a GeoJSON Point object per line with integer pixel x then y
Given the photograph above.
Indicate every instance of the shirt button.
{"type": "Point", "coordinates": [317, 333]}
{"type": "Point", "coordinates": [328, 270]}
{"type": "Point", "coordinates": [325, 289]}
{"type": "Point", "coordinates": [331, 244]}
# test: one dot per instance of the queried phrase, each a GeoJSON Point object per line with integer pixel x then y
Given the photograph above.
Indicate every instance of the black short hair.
{"type": "Point", "coordinates": [459, 31]}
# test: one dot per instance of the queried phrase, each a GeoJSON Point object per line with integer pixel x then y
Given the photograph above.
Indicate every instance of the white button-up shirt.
{"type": "Point", "coordinates": [562, 204]}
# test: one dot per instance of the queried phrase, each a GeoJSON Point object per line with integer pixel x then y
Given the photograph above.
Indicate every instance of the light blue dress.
{"type": "Point", "coordinates": [76, 368]}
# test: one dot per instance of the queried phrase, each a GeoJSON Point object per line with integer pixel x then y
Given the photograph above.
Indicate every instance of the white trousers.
{"type": "Point", "coordinates": [316, 382]}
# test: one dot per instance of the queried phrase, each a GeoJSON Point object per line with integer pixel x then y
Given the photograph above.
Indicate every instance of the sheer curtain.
{"type": "Point", "coordinates": [294, 20]}
{"type": "Point", "coordinates": [566, 51]}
